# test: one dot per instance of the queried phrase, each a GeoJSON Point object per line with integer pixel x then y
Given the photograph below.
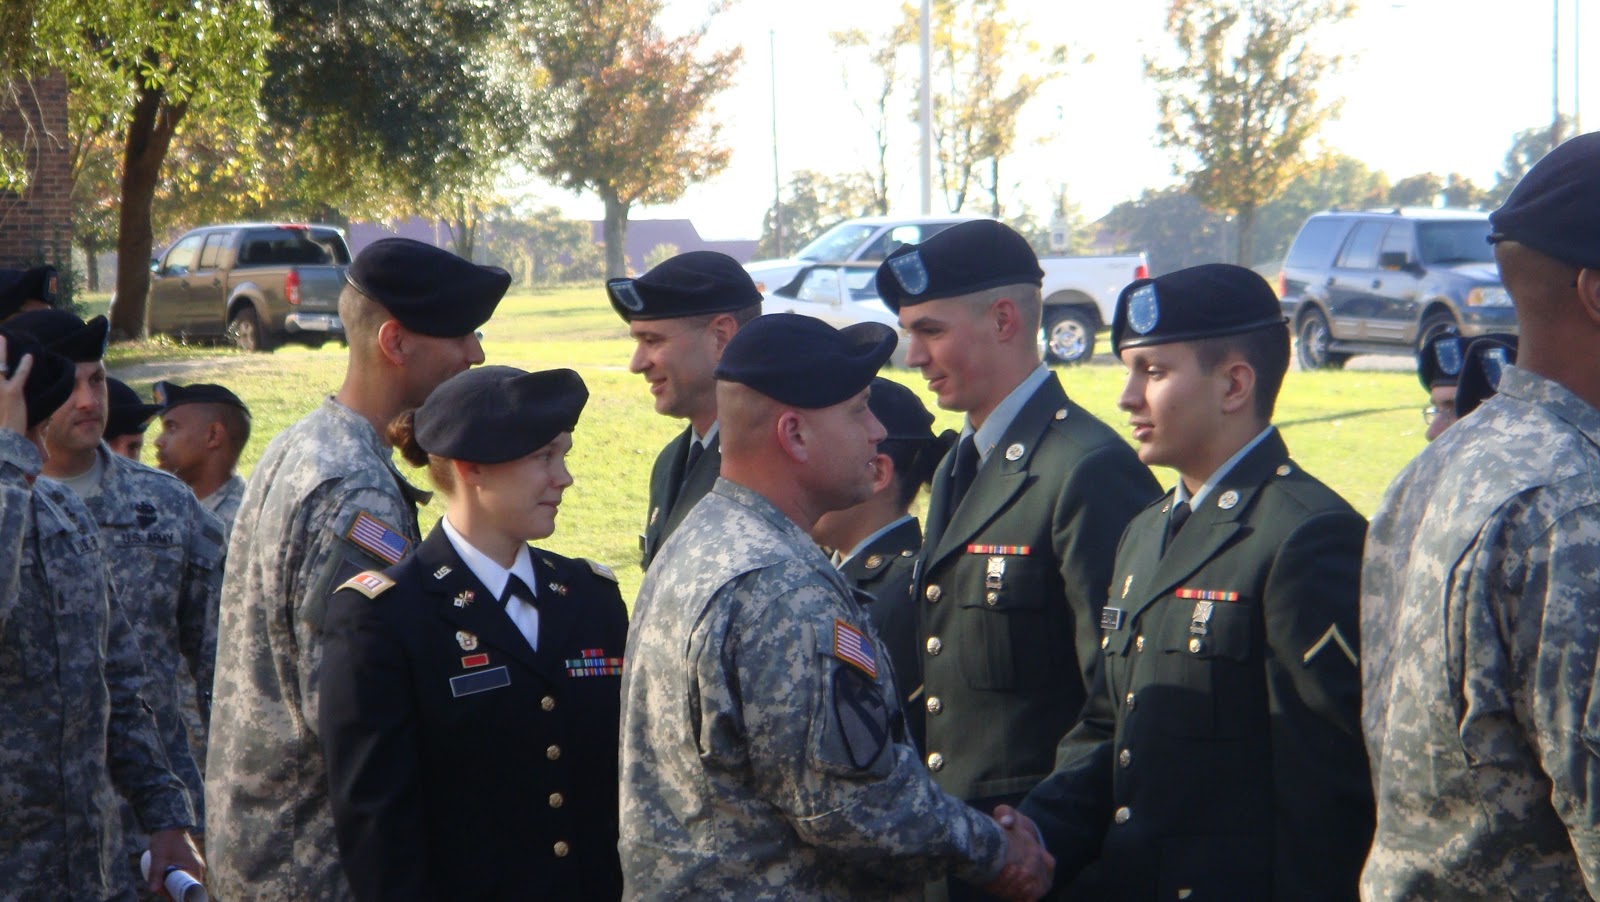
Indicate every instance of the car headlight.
{"type": "Point", "coordinates": [1489, 296]}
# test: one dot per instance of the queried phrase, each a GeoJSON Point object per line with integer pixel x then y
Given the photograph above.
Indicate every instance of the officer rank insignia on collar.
{"type": "Point", "coordinates": [592, 662]}
{"type": "Point", "coordinates": [371, 583]}
{"type": "Point", "coordinates": [854, 648]}
{"type": "Point", "coordinates": [558, 588]}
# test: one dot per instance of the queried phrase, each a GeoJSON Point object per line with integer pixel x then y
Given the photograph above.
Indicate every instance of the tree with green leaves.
{"type": "Point", "coordinates": [985, 71]}
{"type": "Point", "coordinates": [1240, 101]}
{"type": "Point", "coordinates": [624, 110]}
{"type": "Point", "coordinates": [814, 203]}
{"type": "Point", "coordinates": [1527, 148]}
{"type": "Point", "coordinates": [1329, 181]}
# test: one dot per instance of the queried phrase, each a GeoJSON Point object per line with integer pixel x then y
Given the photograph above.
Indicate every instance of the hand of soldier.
{"type": "Point", "coordinates": [170, 848]}
{"type": "Point", "coordinates": [13, 406]}
{"type": "Point", "coordinates": [1029, 870]}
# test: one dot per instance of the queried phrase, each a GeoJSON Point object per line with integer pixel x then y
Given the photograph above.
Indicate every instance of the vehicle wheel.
{"type": "Point", "coordinates": [1068, 335]}
{"type": "Point", "coordinates": [1311, 343]}
{"type": "Point", "coordinates": [1433, 324]}
{"type": "Point", "coordinates": [248, 335]}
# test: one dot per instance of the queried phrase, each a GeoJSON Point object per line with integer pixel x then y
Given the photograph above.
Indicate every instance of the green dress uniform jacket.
{"type": "Point", "coordinates": [672, 493]}
{"type": "Point", "coordinates": [462, 762]}
{"type": "Point", "coordinates": [1010, 586]}
{"type": "Point", "coordinates": [884, 570]}
{"type": "Point", "coordinates": [1220, 755]}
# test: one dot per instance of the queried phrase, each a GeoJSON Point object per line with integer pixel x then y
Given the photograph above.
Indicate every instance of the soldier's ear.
{"type": "Point", "coordinates": [1588, 285]}
{"type": "Point", "coordinates": [1239, 385]}
{"type": "Point", "coordinates": [216, 435]}
{"type": "Point", "coordinates": [793, 437]}
{"type": "Point", "coordinates": [392, 341]}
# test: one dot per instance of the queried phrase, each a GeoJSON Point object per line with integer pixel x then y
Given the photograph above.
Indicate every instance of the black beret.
{"type": "Point", "coordinates": [1555, 209]}
{"type": "Point", "coordinates": [428, 289]}
{"type": "Point", "coordinates": [901, 412]}
{"type": "Point", "coordinates": [126, 412]}
{"type": "Point", "coordinates": [692, 284]}
{"type": "Point", "coordinates": [50, 382]}
{"type": "Point", "coordinates": [1206, 301]}
{"type": "Point", "coordinates": [171, 394]}
{"type": "Point", "coordinates": [1439, 360]}
{"type": "Point", "coordinates": [493, 414]}
{"type": "Point", "coordinates": [20, 285]}
{"type": "Point", "coordinates": [64, 333]}
{"type": "Point", "coordinates": [1484, 362]}
{"type": "Point", "coordinates": [964, 259]}
{"type": "Point", "coordinates": [803, 362]}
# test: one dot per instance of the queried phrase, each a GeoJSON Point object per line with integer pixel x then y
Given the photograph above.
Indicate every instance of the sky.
{"type": "Point", "coordinates": [1427, 86]}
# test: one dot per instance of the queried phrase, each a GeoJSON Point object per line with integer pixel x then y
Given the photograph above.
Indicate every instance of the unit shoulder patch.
{"type": "Point", "coordinates": [601, 570]}
{"type": "Point", "coordinates": [371, 583]}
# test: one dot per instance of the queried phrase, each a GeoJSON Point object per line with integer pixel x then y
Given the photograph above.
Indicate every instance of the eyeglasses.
{"type": "Point", "coordinates": [1431, 413]}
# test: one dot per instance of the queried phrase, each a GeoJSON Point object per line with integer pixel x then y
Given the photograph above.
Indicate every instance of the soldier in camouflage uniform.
{"type": "Point", "coordinates": [324, 504]}
{"type": "Point", "coordinates": [785, 773]}
{"type": "Point", "coordinates": [1480, 607]}
{"type": "Point", "coordinates": [163, 551]}
{"type": "Point", "coordinates": [203, 430]}
{"type": "Point", "coordinates": [73, 723]}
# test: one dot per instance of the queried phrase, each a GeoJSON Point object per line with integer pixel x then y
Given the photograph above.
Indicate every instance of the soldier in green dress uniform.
{"type": "Point", "coordinates": [681, 315]}
{"type": "Point", "coordinates": [1220, 754]}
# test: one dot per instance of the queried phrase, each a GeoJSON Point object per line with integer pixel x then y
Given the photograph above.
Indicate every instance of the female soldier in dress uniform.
{"type": "Point", "coordinates": [470, 694]}
{"type": "Point", "coordinates": [877, 540]}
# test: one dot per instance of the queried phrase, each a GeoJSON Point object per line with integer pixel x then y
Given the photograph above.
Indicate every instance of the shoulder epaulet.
{"type": "Point", "coordinates": [371, 583]}
{"type": "Point", "coordinates": [601, 570]}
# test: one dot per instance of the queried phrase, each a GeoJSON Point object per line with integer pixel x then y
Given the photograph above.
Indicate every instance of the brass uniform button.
{"type": "Point", "coordinates": [990, 598]}
{"type": "Point", "coordinates": [1138, 643]}
{"type": "Point", "coordinates": [553, 752]}
{"type": "Point", "coordinates": [935, 761]}
{"type": "Point", "coordinates": [1123, 815]}
{"type": "Point", "coordinates": [935, 645]}
{"type": "Point", "coordinates": [557, 800]}
{"type": "Point", "coordinates": [1105, 641]}
{"type": "Point", "coordinates": [908, 553]}
{"type": "Point", "coordinates": [1132, 702]}
{"type": "Point", "coordinates": [933, 593]}
{"type": "Point", "coordinates": [1195, 645]}
{"type": "Point", "coordinates": [548, 703]}
{"type": "Point", "coordinates": [561, 849]}
{"type": "Point", "coordinates": [935, 705]}
{"type": "Point", "coordinates": [1125, 759]}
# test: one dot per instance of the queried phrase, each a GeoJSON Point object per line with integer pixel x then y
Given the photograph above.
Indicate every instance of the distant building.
{"type": "Point", "coordinates": [645, 235]}
{"type": "Point", "coordinates": [37, 224]}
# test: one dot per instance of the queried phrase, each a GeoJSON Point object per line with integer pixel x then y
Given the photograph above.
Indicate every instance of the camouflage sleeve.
{"type": "Point", "coordinates": [1106, 491]}
{"type": "Point", "coordinates": [198, 597]}
{"type": "Point", "coordinates": [138, 760]}
{"type": "Point", "coordinates": [1546, 593]}
{"type": "Point", "coordinates": [1321, 787]}
{"type": "Point", "coordinates": [347, 532]}
{"type": "Point", "coordinates": [820, 749]}
{"type": "Point", "coordinates": [19, 460]}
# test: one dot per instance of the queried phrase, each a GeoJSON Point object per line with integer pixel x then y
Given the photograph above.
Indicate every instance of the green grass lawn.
{"type": "Point", "coordinates": [1354, 430]}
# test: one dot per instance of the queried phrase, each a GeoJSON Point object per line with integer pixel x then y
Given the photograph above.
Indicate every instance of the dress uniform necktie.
{"type": "Point", "coordinates": [521, 608]}
{"type": "Point", "coordinates": [695, 450]}
{"type": "Point", "coordinates": [964, 471]}
{"type": "Point", "coordinates": [1175, 520]}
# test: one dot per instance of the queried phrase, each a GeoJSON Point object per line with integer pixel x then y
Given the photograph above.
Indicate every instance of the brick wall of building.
{"type": "Point", "coordinates": [38, 223]}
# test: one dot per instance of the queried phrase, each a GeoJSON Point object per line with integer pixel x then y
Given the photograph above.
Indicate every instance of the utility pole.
{"type": "Point", "coordinates": [926, 163]}
{"type": "Point", "coordinates": [777, 180]}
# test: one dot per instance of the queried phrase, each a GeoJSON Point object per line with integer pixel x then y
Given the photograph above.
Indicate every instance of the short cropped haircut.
{"type": "Point", "coordinates": [1266, 350]}
{"type": "Point", "coordinates": [1024, 295]}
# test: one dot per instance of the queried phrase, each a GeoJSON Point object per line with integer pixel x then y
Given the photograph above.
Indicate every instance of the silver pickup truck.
{"type": "Point", "coordinates": [259, 284]}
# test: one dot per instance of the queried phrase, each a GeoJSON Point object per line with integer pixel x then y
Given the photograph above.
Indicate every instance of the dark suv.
{"type": "Point", "coordinates": [1384, 282]}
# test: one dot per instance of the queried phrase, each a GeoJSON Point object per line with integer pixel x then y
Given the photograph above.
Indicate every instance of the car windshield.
{"type": "Point", "coordinates": [1465, 241]}
{"type": "Point", "coordinates": [837, 242]}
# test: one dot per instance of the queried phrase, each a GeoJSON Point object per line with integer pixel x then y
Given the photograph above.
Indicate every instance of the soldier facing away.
{"type": "Point", "coordinates": [1480, 614]}
{"type": "Point", "coordinates": [763, 754]}
{"type": "Point", "coordinates": [324, 504]}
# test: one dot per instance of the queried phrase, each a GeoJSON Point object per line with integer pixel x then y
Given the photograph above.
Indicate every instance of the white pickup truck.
{"type": "Point", "coordinates": [832, 278]}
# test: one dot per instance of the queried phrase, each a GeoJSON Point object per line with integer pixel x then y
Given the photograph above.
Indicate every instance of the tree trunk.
{"type": "Point", "coordinates": [1245, 237]}
{"type": "Point", "coordinates": [91, 266]}
{"type": "Point", "coordinates": [616, 235]}
{"type": "Point", "coordinates": [150, 128]}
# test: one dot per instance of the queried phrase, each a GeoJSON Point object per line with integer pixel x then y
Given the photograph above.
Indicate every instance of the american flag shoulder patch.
{"type": "Point", "coordinates": [854, 648]}
{"type": "Point", "coordinates": [371, 583]}
{"type": "Point", "coordinates": [377, 538]}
